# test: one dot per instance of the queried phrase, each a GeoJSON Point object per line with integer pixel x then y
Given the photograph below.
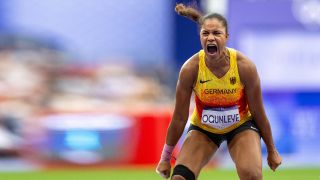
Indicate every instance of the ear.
{"type": "Point", "coordinates": [227, 36]}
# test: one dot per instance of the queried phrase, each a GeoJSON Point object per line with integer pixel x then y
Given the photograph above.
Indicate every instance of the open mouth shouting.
{"type": "Point", "coordinates": [212, 49]}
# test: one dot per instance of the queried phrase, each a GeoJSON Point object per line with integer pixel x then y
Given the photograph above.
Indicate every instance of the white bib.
{"type": "Point", "coordinates": [220, 118]}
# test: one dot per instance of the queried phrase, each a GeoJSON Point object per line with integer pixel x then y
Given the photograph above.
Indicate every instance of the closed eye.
{"type": "Point", "coordinates": [217, 32]}
{"type": "Point", "coordinates": [205, 33]}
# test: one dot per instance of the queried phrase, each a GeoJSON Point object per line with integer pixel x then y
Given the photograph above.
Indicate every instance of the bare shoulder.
{"type": "Point", "coordinates": [247, 69]}
{"type": "Point", "coordinates": [192, 63]}
{"type": "Point", "coordinates": [190, 67]}
{"type": "Point", "coordinates": [244, 63]}
{"type": "Point", "coordinates": [189, 70]}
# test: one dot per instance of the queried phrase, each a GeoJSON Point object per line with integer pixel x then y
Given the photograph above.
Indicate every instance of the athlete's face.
{"type": "Point", "coordinates": [213, 37]}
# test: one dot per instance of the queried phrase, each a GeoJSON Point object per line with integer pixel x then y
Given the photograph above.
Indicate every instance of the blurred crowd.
{"type": "Point", "coordinates": [37, 80]}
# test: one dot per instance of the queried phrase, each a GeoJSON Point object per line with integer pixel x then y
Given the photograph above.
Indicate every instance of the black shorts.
{"type": "Point", "coordinates": [219, 138]}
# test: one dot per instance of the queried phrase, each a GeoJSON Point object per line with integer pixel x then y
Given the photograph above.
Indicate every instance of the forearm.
{"type": "Point", "coordinates": [175, 131]}
{"type": "Point", "coordinates": [266, 133]}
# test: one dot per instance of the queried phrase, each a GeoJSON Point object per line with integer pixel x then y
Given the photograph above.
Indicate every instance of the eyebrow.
{"type": "Point", "coordinates": [211, 30]}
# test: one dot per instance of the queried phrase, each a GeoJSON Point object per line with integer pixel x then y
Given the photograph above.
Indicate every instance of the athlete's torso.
{"type": "Point", "coordinates": [221, 104]}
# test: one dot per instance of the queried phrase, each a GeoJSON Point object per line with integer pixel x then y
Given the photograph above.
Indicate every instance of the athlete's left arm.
{"type": "Point", "coordinates": [250, 78]}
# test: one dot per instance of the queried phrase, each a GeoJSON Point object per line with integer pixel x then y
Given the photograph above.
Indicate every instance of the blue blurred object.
{"type": "Point", "coordinates": [82, 140]}
{"type": "Point", "coordinates": [87, 138]}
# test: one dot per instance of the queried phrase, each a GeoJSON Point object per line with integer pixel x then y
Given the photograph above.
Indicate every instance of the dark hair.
{"type": "Point", "coordinates": [194, 14]}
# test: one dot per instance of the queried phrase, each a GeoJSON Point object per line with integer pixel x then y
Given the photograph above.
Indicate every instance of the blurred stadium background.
{"type": "Point", "coordinates": [89, 85]}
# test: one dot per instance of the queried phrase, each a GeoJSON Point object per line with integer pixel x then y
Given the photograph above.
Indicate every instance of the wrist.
{"type": "Point", "coordinates": [166, 153]}
{"type": "Point", "coordinates": [271, 149]}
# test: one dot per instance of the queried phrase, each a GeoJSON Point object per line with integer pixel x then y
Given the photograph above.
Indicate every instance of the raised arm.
{"type": "Point", "coordinates": [250, 78]}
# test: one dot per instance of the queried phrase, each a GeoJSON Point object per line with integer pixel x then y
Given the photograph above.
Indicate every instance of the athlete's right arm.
{"type": "Point", "coordinates": [186, 80]}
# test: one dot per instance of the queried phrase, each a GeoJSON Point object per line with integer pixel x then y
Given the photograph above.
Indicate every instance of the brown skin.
{"type": "Point", "coordinates": [250, 79]}
{"type": "Point", "coordinates": [249, 164]}
{"type": "Point", "coordinates": [187, 77]}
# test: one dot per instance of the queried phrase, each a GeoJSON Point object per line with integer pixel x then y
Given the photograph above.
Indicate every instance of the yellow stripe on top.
{"type": "Point", "coordinates": [213, 92]}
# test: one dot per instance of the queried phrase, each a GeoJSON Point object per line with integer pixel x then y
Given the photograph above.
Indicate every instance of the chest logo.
{"type": "Point", "coordinates": [204, 81]}
{"type": "Point", "coordinates": [233, 80]}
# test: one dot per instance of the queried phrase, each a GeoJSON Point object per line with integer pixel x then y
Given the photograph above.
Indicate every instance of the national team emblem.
{"type": "Point", "coordinates": [233, 80]}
